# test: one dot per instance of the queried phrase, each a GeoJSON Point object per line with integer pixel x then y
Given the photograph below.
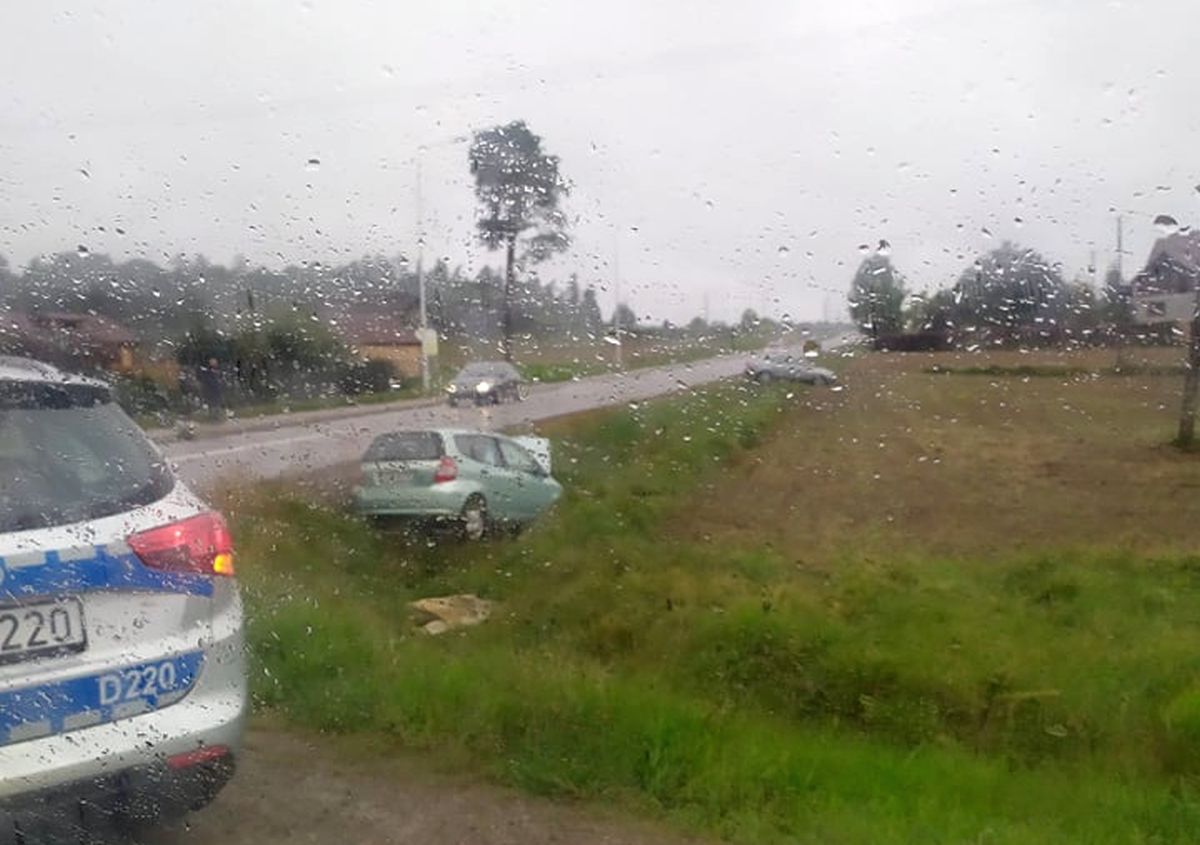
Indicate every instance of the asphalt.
{"type": "Point", "coordinates": [305, 444]}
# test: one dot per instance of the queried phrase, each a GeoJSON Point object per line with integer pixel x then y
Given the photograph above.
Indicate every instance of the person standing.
{"type": "Point", "coordinates": [209, 377]}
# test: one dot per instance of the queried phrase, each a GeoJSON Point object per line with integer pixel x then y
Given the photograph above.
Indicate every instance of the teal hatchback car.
{"type": "Point", "coordinates": [472, 480]}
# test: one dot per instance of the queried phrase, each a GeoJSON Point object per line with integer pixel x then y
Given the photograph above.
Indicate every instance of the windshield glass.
{"type": "Point", "coordinates": [68, 454]}
{"type": "Point", "coordinates": [852, 353]}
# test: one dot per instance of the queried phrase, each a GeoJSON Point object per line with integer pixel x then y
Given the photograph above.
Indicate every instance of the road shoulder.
{"type": "Point", "coordinates": [296, 788]}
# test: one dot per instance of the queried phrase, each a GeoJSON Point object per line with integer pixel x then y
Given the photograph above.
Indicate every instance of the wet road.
{"type": "Point", "coordinates": [294, 447]}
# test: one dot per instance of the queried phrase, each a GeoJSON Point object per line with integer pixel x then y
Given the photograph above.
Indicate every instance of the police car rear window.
{"type": "Point", "coordinates": [68, 454]}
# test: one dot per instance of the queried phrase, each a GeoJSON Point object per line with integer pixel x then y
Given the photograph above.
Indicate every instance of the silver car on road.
{"type": "Point", "coordinates": [122, 684]}
{"type": "Point", "coordinates": [784, 366]}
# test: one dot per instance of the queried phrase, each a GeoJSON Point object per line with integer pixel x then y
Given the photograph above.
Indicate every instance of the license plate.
{"type": "Point", "coordinates": [41, 629]}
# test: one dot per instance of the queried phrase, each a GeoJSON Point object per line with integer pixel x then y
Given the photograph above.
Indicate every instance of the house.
{"type": "Point", "coordinates": [76, 340]}
{"type": "Point", "coordinates": [382, 337]}
{"type": "Point", "coordinates": [1165, 290]}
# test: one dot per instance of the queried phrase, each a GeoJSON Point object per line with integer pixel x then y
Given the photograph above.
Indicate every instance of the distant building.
{"type": "Point", "coordinates": [74, 340]}
{"type": "Point", "coordinates": [382, 337]}
{"type": "Point", "coordinates": [1165, 290]}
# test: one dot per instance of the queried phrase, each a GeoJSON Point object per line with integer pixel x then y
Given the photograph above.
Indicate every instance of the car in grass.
{"type": "Point", "coordinates": [122, 677]}
{"type": "Point", "coordinates": [486, 383]}
{"type": "Point", "coordinates": [784, 366]}
{"type": "Point", "coordinates": [474, 481]}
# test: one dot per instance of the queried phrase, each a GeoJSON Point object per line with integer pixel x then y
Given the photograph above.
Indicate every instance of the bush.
{"type": "Point", "coordinates": [142, 396]}
{"type": "Point", "coordinates": [371, 376]}
{"type": "Point", "coordinates": [930, 341]}
{"type": "Point", "coordinates": [1181, 724]}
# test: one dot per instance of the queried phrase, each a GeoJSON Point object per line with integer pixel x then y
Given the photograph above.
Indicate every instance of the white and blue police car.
{"type": "Point", "coordinates": [122, 677]}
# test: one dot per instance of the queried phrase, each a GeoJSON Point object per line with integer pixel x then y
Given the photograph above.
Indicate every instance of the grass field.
{"type": "Point", "coordinates": [928, 607]}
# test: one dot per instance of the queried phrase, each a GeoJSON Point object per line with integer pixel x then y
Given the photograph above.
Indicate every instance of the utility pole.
{"type": "Point", "coordinates": [423, 313]}
{"type": "Point", "coordinates": [1120, 247]}
{"type": "Point", "coordinates": [617, 290]}
{"type": "Point", "coordinates": [1191, 383]}
{"type": "Point", "coordinates": [1191, 379]}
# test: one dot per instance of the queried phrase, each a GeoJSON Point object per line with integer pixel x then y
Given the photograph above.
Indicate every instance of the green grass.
{"type": "Point", "coordinates": [1057, 370]}
{"type": "Point", "coordinates": [317, 403]}
{"type": "Point", "coordinates": [286, 406]}
{"type": "Point", "coordinates": [765, 691]}
{"type": "Point", "coordinates": [1019, 371]}
{"type": "Point", "coordinates": [557, 359]}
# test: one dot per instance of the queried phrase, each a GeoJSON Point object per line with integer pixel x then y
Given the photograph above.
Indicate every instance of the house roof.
{"type": "Point", "coordinates": [87, 328]}
{"type": "Point", "coordinates": [1180, 249]}
{"type": "Point", "coordinates": [364, 328]}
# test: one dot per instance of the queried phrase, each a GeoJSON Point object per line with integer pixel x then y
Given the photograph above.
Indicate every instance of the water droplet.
{"type": "Point", "coordinates": [1166, 224]}
{"type": "Point", "coordinates": [83, 171]}
{"type": "Point", "coordinates": [83, 251]}
{"type": "Point", "coordinates": [1018, 221]}
{"type": "Point", "coordinates": [784, 251]}
{"type": "Point", "coordinates": [313, 164]}
{"type": "Point", "coordinates": [987, 233]}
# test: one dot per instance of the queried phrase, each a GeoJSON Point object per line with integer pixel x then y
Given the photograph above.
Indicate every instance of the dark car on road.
{"type": "Point", "coordinates": [487, 383]}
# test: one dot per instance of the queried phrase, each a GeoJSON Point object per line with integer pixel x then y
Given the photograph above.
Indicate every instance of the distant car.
{"type": "Point", "coordinates": [783, 366]}
{"type": "Point", "coordinates": [122, 676]}
{"type": "Point", "coordinates": [487, 383]}
{"type": "Point", "coordinates": [471, 480]}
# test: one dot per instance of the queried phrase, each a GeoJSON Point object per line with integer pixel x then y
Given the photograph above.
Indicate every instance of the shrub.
{"type": "Point", "coordinates": [370, 376]}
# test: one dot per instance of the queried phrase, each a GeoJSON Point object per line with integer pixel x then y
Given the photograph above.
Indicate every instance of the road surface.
{"type": "Point", "coordinates": [304, 447]}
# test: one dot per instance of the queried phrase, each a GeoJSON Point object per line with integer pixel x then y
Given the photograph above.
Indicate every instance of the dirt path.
{"type": "Point", "coordinates": [289, 790]}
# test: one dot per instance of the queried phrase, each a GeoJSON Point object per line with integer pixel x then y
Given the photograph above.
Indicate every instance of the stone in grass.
{"type": "Point", "coordinates": [439, 614]}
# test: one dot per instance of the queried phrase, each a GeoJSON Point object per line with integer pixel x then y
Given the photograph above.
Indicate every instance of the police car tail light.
{"type": "Point", "coordinates": [201, 544]}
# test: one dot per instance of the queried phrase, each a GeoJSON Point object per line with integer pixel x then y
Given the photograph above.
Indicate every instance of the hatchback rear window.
{"type": "Point", "coordinates": [405, 446]}
{"type": "Point", "coordinates": [68, 453]}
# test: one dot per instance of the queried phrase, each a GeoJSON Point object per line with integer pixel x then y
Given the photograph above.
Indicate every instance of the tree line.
{"type": "Point", "coordinates": [1009, 296]}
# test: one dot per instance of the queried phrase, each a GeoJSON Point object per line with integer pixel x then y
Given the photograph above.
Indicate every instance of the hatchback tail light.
{"type": "Point", "coordinates": [447, 470]}
{"type": "Point", "coordinates": [200, 544]}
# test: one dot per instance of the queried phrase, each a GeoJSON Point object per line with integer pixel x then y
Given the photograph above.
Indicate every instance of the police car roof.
{"type": "Point", "coordinates": [13, 368]}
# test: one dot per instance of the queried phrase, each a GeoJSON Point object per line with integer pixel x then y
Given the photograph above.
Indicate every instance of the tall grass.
{"type": "Point", "coordinates": [747, 690]}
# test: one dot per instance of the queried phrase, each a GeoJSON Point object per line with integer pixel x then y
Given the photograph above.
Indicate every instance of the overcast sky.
{"type": "Point", "coordinates": [738, 152]}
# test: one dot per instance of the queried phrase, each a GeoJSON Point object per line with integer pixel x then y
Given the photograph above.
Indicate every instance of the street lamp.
{"type": "Point", "coordinates": [427, 337]}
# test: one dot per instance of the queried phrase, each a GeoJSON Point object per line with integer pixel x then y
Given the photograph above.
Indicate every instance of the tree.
{"type": "Point", "coordinates": [590, 311]}
{"type": "Point", "coordinates": [624, 317]}
{"type": "Point", "coordinates": [749, 320]}
{"type": "Point", "coordinates": [1012, 294]}
{"type": "Point", "coordinates": [519, 189]}
{"type": "Point", "coordinates": [877, 296]}
{"type": "Point", "coordinates": [1117, 302]}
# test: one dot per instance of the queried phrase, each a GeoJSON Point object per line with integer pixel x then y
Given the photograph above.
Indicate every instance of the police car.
{"type": "Point", "coordinates": [122, 679]}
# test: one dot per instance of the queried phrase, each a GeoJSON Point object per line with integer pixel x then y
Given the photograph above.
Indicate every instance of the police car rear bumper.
{"type": "Point", "coordinates": [211, 715]}
{"type": "Point", "coordinates": [93, 809]}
